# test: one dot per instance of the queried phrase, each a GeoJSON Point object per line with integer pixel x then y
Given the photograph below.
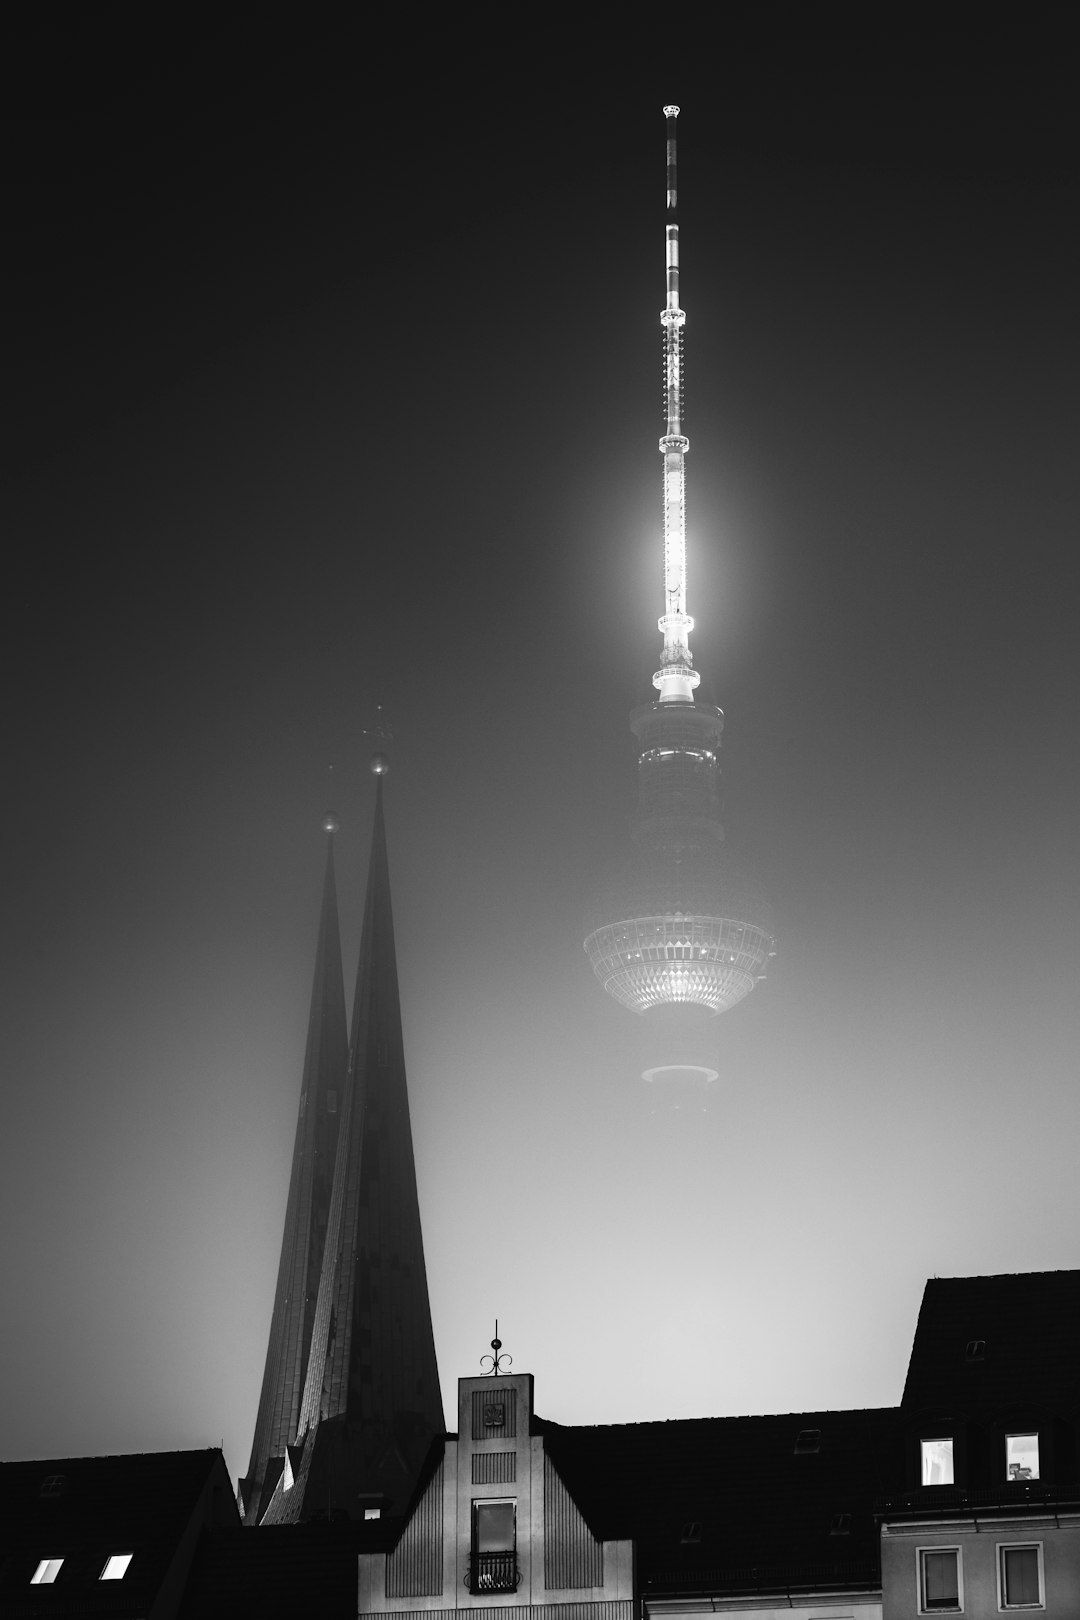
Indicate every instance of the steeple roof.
{"type": "Point", "coordinates": [308, 1209]}
{"type": "Point", "coordinates": [371, 1403]}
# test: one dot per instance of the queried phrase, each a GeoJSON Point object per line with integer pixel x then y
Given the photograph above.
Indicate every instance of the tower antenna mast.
{"type": "Point", "coordinates": [676, 678]}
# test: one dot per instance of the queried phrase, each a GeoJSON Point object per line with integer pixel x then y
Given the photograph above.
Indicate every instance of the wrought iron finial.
{"type": "Point", "coordinates": [496, 1363]}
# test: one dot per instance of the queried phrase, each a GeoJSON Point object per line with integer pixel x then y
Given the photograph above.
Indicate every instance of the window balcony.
{"type": "Point", "coordinates": [493, 1572]}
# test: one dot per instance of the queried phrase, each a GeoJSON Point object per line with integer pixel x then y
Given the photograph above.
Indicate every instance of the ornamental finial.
{"type": "Point", "coordinates": [496, 1363]}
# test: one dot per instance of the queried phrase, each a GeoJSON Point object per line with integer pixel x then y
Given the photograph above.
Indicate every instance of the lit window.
{"type": "Point", "coordinates": [939, 1579]}
{"type": "Point", "coordinates": [1021, 1456]}
{"type": "Point", "coordinates": [1021, 1577]}
{"type": "Point", "coordinates": [373, 1513]}
{"type": "Point", "coordinates": [46, 1572]}
{"type": "Point", "coordinates": [937, 1462]}
{"type": "Point", "coordinates": [116, 1567]}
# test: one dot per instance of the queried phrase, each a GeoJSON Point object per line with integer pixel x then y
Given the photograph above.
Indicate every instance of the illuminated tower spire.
{"type": "Point", "coordinates": [676, 678]}
{"type": "Point", "coordinates": [688, 925]}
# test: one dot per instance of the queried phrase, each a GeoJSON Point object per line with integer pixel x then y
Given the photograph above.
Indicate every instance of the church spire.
{"type": "Point", "coordinates": [371, 1403]}
{"type": "Point", "coordinates": [307, 1211]}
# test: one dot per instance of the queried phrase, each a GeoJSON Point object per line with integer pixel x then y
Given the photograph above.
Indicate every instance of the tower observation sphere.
{"type": "Point", "coordinates": [683, 923]}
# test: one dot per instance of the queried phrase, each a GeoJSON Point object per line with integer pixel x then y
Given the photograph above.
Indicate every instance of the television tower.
{"type": "Point", "coordinates": [688, 926]}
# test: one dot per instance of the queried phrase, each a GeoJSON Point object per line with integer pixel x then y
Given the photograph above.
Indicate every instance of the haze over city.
{"type": "Point", "coordinates": [337, 386]}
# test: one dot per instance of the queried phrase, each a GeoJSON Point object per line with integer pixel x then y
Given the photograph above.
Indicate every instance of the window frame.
{"type": "Point", "coordinates": [1004, 1547]}
{"type": "Point", "coordinates": [46, 1571]}
{"type": "Point", "coordinates": [501, 1583]}
{"type": "Point", "coordinates": [116, 1566]}
{"type": "Point", "coordinates": [1024, 1434]}
{"type": "Point", "coordinates": [920, 1579]}
{"type": "Point", "coordinates": [937, 1440]}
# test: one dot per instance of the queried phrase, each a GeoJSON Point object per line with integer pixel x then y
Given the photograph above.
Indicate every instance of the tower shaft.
{"type": "Point", "coordinates": [676, 678]}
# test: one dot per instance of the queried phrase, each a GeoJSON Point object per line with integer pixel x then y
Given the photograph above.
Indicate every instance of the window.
{"type": "Point", "coordinates": [937, 1462]}
{"type": "Point", "coordinates": [116, 1567]}
{"type": "Point", "coordinates": [940, 1585]}
{"type": "Point", "coordinates": [46, 1572]}
{"type": "Point", "coordinates": [1021, 1456]}
{"type": "Point", "coordinates": [494, 1561]}
{"type": "Point", "coordinates": [975, 1350]}
{"type": "Point", "coordinates": [1020, 1573]}
{"type": "Point", "coordinates": [807, 1441]}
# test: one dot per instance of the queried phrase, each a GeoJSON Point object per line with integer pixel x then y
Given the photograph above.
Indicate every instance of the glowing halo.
{"type": "Point", "coordinates": [670, 1070]}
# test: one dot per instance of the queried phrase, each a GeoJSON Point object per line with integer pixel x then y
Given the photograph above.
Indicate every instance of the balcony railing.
{"type": "Point", "coordinates": [493, 1572]}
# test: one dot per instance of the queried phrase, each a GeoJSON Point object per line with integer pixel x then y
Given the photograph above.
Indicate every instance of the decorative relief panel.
{"type": "Point", "coordinates": [494, 1414]}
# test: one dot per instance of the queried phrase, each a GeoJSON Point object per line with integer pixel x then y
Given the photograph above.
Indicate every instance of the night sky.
{"type": "Point", "coordinates": [334, 381]}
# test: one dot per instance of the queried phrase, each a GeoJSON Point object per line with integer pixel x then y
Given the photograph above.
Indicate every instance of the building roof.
{"type": "Point", "coordinates": [991, 1342]}
{"type": "Point", "coordinates": [703, 1498]}
{"type": "Point", "coordinates": [85, 1509]}
{"type": "Point", "coordinates": [286, 1571]}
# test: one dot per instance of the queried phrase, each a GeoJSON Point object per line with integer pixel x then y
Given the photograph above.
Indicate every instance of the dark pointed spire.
{"type": "Point", "coordinates": [307, 1212]}
{"type": "Point", "coordinates": [371, 1403]}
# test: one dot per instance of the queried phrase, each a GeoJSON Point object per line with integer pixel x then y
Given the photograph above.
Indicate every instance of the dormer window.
{"type": "Point", "coordinates": [937, 1461]}
{"type": "Point", "coordinates": [116, 1567]}
{"type": "Point", "coordinates": [1021, 1457]}
{"type": "Point", "coordinates": [47, 1571]}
